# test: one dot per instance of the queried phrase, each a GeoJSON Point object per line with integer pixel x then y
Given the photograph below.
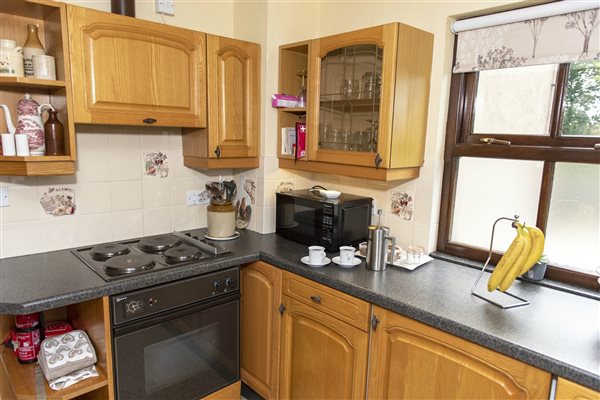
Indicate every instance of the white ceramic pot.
{"type": "Point", "coordinates": [11, 58]}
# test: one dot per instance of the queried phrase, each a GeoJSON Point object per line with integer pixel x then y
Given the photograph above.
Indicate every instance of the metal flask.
{"type": "Point", "coordinates": [377, 247]}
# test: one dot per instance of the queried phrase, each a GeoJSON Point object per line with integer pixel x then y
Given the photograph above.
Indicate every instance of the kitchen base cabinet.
{"type": "Point", "coordinates": [324, 342]}
{"type": "Point", "coordinates": [18, 381]}
{"type": "Point", "coordinates": [410, 360]}
{"type": "Point", "coordinates": [231, 137]}
{"type": "Point", "coordinates": [567, 390]}
{"type": "Point", "coordinates": [231, 392]}
{"type": "Point", "coordinates": [260, 327]}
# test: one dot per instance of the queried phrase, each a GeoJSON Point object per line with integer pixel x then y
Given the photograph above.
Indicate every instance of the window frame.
{"type": "Point", "coordinates": [462, 142]}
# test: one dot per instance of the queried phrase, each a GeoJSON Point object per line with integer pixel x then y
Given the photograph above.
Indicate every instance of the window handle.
{"type": "Point", "coordinates": [488, 140]}
{"type": "Point", "coordinates": [597, 146]}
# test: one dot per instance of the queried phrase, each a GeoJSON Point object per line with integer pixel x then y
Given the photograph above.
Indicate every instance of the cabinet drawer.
{"type": "Point", "coordinates": [337, 304]}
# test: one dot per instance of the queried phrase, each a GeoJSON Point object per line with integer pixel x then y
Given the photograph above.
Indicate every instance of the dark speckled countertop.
{"type": "Point", "coordinates": [559, 332]}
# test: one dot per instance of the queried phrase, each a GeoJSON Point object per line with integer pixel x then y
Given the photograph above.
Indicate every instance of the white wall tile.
{"type": "Point", "coordinates": [156, 192]}
{"type": "Point", "coordinates": [92, 153]}
{"type": "Point", "coordinates": [93, 197]}
{"type": "Point", "coordinates": [157, 220]}
{"type": "Point", "coordinates": [401, 230]}
{"type": "Point", "coordinates": [175, 139]}
{"type": "Point", "coordinates": [155, 139]}
{"type": "Point", "coordinates": [125, 165]}
{"type": "Point", "coordinates": [184, 217]}
{"type": "Point", "coordinates": [430, 177]}
{"type": "Point", "coordinates": [124, 138]}
{"type": "Point", "coordinates": [176, 167]}
{"type": "Point", "coordinates": [126, 195]}
{"type": "Point", "coordinates": [24, 205]}
{"type": "Point", "coordinates": [202, 216]}
{"type": "Point", "coordinates": [127, 224]}
{"type": "Point", "coordinates": [425, 236]}
{"type": "Point", "coordinates": [269, 219]}
{"type": "Point", "coordinates": [179, 188]}
{"type": "Point", "coordinates": [94, 228]}
{"type": "Point", "coordinates": [423, 204]}
{"type": "Point", "coordinates": [60, 233]}
{"type": "Point", "coordinates": [20, 238]}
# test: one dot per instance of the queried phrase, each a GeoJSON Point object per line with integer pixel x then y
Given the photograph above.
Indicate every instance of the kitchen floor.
{"type": "Point", "coordinates": [249, 394]}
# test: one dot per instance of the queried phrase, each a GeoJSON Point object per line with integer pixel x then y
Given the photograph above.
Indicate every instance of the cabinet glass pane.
{"type": "Point", "coordinates": [487, 189]}
{"type": "Point", "coordinates": [349, 99]}
{"type": "Point", "coordinates": [573, 232]}
{"type": "Point", "coordinates": [515, 100]}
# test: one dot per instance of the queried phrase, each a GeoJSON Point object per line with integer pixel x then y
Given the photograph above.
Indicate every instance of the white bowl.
{"type": "Point", "coordinates": [328, 194]}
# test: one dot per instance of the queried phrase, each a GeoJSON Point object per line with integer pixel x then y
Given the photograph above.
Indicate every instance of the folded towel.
{"type": "Point", "coordinates": [74, 377]}
{"type": "Point", "coordinates": [60, 355]}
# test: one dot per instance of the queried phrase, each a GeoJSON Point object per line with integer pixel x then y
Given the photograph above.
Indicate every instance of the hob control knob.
{"type": "Point", "coordinates": [230, 282]}
{"type": "Point", "coordinates": [217, 284]}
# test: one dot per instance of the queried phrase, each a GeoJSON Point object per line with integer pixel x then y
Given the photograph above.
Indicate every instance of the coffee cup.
{"type": "Point", "coordinates": [316, 255]}
{"type": "Point", "coordinates": [347, 255]}
{"type": "Point", "coordinates": [8, 144]}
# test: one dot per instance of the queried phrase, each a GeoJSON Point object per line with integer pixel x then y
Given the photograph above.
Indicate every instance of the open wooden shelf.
{"type": "Point", "coordinates": [294, 110]}
{"type": "Point", "coordinates": [22, 377]}
{"type": "Point", "coordinates": [22, 82]}
{"type": "Point", "coordinates": [36, 166]}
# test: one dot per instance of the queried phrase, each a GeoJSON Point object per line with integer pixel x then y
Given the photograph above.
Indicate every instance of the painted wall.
{"type": "Point", "coordinates": [116, 200]}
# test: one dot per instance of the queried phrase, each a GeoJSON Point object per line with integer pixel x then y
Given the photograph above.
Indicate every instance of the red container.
{"type": "Point", "coordinates": [29, 345]}
{"type": "Point", "coordinates": [27, 321]}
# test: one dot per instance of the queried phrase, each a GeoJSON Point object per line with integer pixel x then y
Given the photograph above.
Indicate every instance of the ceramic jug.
{"type": "Point", "coordinates": [29, 122]}
{"type": "Point", "coordinates": [11, 58]}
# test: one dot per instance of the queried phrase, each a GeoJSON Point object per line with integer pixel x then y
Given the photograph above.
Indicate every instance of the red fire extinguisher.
{"type": "Point", "coordinates": [29, 330]}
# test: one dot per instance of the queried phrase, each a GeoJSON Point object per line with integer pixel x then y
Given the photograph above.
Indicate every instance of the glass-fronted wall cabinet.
{"type": "Point", "coordinates": [368, 95]}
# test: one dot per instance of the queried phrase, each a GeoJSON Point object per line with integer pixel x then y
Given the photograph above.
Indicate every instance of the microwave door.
{"type": "Point", "coordinates": [299, 220]}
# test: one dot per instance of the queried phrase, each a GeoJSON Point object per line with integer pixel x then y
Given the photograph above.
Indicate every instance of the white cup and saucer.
{"type": "Point", "coordinates": [346, 258]}
{"type": "Point", "coordinates": [316, 257]}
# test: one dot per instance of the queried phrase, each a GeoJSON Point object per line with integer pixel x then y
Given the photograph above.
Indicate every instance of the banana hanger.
{"type": "Point", "coordinates": [503, 300]}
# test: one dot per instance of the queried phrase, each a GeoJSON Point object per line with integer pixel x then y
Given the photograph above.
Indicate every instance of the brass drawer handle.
{"type": "Point", "coordinates": [316, 299]}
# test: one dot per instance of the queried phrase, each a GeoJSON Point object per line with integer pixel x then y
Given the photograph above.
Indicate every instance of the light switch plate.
{"type": "Point", "coordinates": [166, 7]}
{"type": "Point", "coordinates": [4, 201]}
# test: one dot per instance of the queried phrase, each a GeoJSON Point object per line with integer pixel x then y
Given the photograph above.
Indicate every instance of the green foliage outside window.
{"type": "Point", "coordinates": [582, 103]}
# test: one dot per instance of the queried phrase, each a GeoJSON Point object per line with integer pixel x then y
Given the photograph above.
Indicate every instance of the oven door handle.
{"type": "Point", "coordinates": [178, 312]}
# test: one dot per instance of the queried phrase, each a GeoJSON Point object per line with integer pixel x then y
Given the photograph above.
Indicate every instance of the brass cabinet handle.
{"type": "Point", "coordinates": [488, 140]}
{"type": "Point", "coordinates": [316, 299]}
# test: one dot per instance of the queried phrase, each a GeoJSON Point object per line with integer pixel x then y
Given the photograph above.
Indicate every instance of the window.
{"type": "Point", "coordinates": [544, 122]}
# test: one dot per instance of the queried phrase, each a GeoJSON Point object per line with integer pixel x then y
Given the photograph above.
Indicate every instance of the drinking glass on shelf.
{"type": "Point", "coordinates": [349, 88]}
{"type": "Point", "coordinates": [301, 95]}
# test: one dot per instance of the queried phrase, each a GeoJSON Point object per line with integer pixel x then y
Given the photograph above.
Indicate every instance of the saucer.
{"type": "Point", "coordinates": [325, 262]}
{"type": "Point", "coordinates": [223, 239]}
{"type": "Point", "coordinates": [355, 262]}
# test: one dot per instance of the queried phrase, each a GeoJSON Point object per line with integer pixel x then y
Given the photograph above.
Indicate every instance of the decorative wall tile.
{"type": "Point", "coordinates": [58, 201]}
{"type": "Point", "coordinates": [249, 186]}
{"type": "Point", "coordinates": [156, 164]}
{"type": "Point", "coordinates": [285, 185]}
{"type": "Point", "coordinates": [402, 205]}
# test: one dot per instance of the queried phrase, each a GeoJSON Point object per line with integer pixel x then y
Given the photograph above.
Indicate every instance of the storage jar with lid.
{"type": "Point", "coordinates": [11, 58]}
{"type": "Point", "coordinates": [221, 219]}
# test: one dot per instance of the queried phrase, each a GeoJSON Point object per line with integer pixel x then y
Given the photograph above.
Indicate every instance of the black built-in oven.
{"type": "Point", "coordinates": [178, 340]}
{"type": "Point", "coordinates": [313, 220]}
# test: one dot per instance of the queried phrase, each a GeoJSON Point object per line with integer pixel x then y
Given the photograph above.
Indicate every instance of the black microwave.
{"type": "Point", "coordinates": [313, 220]}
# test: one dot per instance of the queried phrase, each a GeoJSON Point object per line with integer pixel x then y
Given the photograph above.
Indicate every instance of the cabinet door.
{"type": "Point", "coordinates": [321, 357]}
{"type": "Point", "coordinates": [134, 72]}
{"type": "Point", "coordinates": [260, 327]}
{"type": "Point", "coordinates": [410, 360]}
{"type": "Point", "coordinates": [234, 97]}
{"type": "Point", "coordinates": [567, 390]}
{"type": "Point", "coordinates": [351, 89]}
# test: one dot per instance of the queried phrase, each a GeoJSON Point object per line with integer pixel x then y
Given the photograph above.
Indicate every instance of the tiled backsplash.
{"type": "Point", "coordinates": [114, 198]}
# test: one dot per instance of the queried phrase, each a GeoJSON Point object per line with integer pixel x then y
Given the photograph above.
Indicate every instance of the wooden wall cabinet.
{"type": "Point", "coordinates": [322, 357]}
{"type": "Point", "coordinates": [411, 360]}
{"type": "Point", "coordinates": [368, 96]}
{"type": "Point", "coordinates": [260, 327]}
{"type": "Point", "coordinates": [19, 381]}
{"type": "Point", "coordinates": [231, 138]}
{"type": "Point", "coordinates": [52, 20]}
{"type": "Point", "coordinates": [129, 71]}
{"type": "Point", "coordinates": [567, 390]}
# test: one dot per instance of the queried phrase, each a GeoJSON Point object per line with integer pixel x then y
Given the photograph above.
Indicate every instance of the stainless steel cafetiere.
{"type": "Point", "coordinates": [377, 246]}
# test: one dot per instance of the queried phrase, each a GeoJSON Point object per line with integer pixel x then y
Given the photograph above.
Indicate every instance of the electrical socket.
{"type": "Point", "coordinates": [4, 201]}
{"type": "Point", "coordinates": [195, 197]}
{"type": "Point", "coordinates": [166, 7]}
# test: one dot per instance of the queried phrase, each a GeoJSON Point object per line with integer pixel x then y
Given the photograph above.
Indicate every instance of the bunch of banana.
{"type": "Point", "coordinates": [524, 251]}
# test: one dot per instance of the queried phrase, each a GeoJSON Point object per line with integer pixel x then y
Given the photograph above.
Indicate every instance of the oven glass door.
{"type": "Point", "coordinates": [182, 354]}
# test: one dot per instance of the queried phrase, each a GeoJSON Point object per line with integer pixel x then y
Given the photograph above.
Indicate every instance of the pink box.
{"type": "Point", "coordinates": [284, 100]}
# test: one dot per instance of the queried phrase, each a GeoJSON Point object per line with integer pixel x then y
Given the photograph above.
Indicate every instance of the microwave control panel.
{"type": "Point", "coordinates": [327, 223]}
